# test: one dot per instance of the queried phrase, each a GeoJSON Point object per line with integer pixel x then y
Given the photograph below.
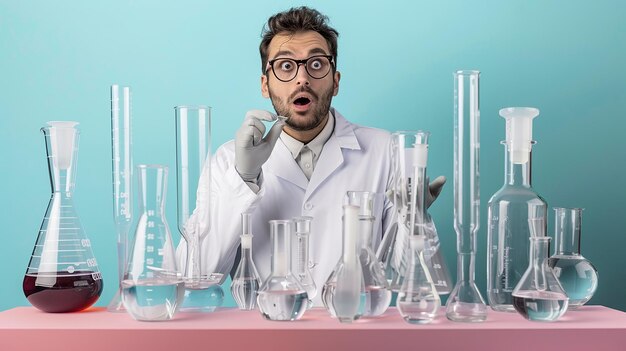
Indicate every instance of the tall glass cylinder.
{"type": "Point", "coordinates": [465, 304]}
{"type": "Point", "coordinates": [300, 260]}
{"type": "Point", "coordinates": [193, 162]}
{"type": "Point", "coordinates": [122, 157]}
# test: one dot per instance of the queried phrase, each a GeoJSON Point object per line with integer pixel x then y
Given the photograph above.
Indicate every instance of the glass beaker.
{"type": "Point", "coordinates": [152, 289]}
{"type": "Point", "coordinates": [418, 301]}
{"type": "Point", "coordinates": [576, 274]}
{"type": "Point", "coordinates": [539, 295]}
{"type": "Point", "coordinates": [344, 292]}
{"type": "Point", "coordinates": [246, 281]}
{"type": "Point", "coordinates": [122, 157]}
{"type": "Point", "coordinates": [301, 266]}
{"type": "Point", "coordinates": [465, 304]}
{"type": "Point", "coordinates": [377, 291]}
{"type": "Point", "coordinates": [193, 163]}
{"type": "Point", "coordinates": [62, 274]}
{"type": "Point", "coordinates": [281, 297]}
{"type": "Point", "coordinates": [509, 210]}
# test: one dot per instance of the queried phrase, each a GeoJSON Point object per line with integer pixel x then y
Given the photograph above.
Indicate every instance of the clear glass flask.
{"type": "Point", "coordinates": [576, 274]}
{"type": "Point", "coordinates": [509, 211]}
{"type": "Point", "coordinates": [539, 295]}
{"type": "Point", "coordinates": [281, 297]}
{"type": "Point", "coordinates": [465, 304]}
{"type": "Point", "coordinates": [121, 150]}
{"type": "Point", "coordinates": [377, 291]}
{"type": "Point", "coordinates": [394, 251]}
{"type": "Point", "coordinates": [152, 289]}
{"type": "Point", "coordinates": [418, 301]}
{"type": "Point", "coordinates": [301, 266]}
{"type": "Point", "coordinates": [246, 281]}
{"type": "Point", "coordinates": [62, 274]}
{"type": "Point", "coordinates": [193, 159]}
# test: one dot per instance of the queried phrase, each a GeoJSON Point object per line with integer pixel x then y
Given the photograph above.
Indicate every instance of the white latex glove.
{"type": "Point", "coordinates": [434, 189]}
{"type": "Point", "coordinates": [251, 149]}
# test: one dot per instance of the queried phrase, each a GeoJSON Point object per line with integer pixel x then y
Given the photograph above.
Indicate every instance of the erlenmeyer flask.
{"type": "Point", "coordinates": [418, 301]}
{"type": "Point", "coordinates": [576, 274]}
{"type": "Point", "coordinates": [539, 295]}
{"type": "Point", "coordinates": [377, 292]}
{"type": "Point", "coordinates": [300, 260]}
{"type": "Point", "coordinates": [246, 281]}
{"type": "Point", "coordinates": [281, 297]}
{"type": "Point", "coordinates": [152, 289]}
{"type": "Point", "coordinates": [344, 292]}
{"type": "Point", "coordinates": [62, 274]}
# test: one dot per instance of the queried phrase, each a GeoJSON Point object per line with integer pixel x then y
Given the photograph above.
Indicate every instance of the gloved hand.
{"type": "Point", "coordinates": [251, 149]}
{"type": "Point", "coordinates": [434, 189]}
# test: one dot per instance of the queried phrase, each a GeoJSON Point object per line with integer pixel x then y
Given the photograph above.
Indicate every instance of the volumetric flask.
{"type": "Point", "coordinates": [246, 281]}
{"type": "Point", "coordinates": [121, 150]}
{"type": "Point", "coordinates": [281, 297]}
{"type": "Point", "coordinates": [152, 289]}
{"type": "Point", "coordinates": [62, 274]}
{"type": "Point", "coordinates": [539, 295]}
{"type": "Point", "coordinates": [576, 274]}
{"type": "Point", "coordinates": [300, 265]}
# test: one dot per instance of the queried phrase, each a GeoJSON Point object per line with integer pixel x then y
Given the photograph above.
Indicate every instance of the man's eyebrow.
{"type": "Point", "coordinates": [311, 52]}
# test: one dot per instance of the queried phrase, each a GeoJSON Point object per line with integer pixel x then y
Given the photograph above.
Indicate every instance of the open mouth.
{"type": "Point", "coordinates": [301, 101]}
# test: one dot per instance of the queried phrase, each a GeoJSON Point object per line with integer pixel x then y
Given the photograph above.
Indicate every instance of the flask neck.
{"type": "Point", "coordinates": [350, 233]}
{"type": "Point", "coordinates": [152, 189]}
{"type": "Point", "coordinates": [567, 230]}
{"type": "Point", "coordinates": [517, 167]}
{"type": "Point", "coordinates": [366, 230]}
{"type": "Point", "coordinates": [466, 267]}
{"type": "Point", "coordinates": [539, 247]}
{"type": "Point", "coordinates": [281, 247]}
{"type": "Point", "coordinates": [418, 200]}
{"type": "Point", "coordinates": [302, 259]}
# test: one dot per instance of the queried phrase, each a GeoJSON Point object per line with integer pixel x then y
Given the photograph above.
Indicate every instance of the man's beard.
{"type": "Point", "coordinates": [320, 111]}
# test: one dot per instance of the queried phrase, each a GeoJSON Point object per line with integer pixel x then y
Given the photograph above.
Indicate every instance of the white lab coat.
{"type": "Point", "coordinates": [354, 158]}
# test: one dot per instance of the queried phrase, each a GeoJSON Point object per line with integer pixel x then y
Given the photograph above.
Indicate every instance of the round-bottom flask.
{"type": "Point", "coordinates": [281, 297]}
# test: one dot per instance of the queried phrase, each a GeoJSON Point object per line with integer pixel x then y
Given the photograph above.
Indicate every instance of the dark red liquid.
{"type": "Point", "coordinates": [62, 292]}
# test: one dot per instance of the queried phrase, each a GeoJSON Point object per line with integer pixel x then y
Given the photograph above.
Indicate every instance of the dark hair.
{"type": "Point", "coordinates": [294, 20]}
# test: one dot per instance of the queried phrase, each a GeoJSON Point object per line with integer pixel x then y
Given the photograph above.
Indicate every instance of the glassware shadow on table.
{"type": "Point", "coordinates": [246, 281]}
{"type": "Point", "coordinates": [193, 178]}
{"type": "Point", "coordinates": [62, 273]}
{"type": "Point", "coordinates": [152, 289]}
{"type": "Point", "coordinates": [539, 295]}
{"type": "Point", "coordinates": [578, 277]}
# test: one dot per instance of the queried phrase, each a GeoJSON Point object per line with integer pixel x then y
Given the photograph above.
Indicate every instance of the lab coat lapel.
{"type": "Point", "coordinates": [331, 158]}
{"type": "Point", "coordinates": [282, 164]}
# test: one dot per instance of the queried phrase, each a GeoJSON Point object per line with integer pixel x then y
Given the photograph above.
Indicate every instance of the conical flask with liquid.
{"type": "Point", "coordinates": [152, 289]}
{"type": "Point", "coordinates": [377, 291]}
{"type": "Point", "coordinates": [301, 266]}
{"type": "Point", "coordinates": [62, 274]}
{"type": "Point", "coordinates": [539, 295]}
{"type": "Point", "coordinates": [246, 281]}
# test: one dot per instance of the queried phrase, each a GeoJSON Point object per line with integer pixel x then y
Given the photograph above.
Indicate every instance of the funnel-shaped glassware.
{"type": "Point", "coordinates": [410, 183]}
{"type": "Point", "coordinates": [539, 295]}
{"type": "Point", "coordinates": [344, 292]}
{"type": "Point", "coordinates": [418, 301]}
{"type": "Point", "coordinates": [301, 266]}
{"type": "Point", "coordinates": [62, 274]}
{"type": "Point", "coordinates": [377, 291]}
{"type": "Point", "coordinates": [509, 211]}
{"type": "Point", "coordinates": [576, 274]}
{"type": "Point", "coordinates": [246, 281]}
{"type": "Point", "coordinates": [465, 304]}
{"type": "Point", "coordinates": [193, 161]}
{"type": "Point", "coordinates": [281, 297]}
{"type": "Point", "coordinates": [121, 149]}
{"type": "Point", "coordinates": [152, 289]}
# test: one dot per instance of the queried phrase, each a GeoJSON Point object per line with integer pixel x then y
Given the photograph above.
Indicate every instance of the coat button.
{"type": "Point", "coordinates": [308, 205]}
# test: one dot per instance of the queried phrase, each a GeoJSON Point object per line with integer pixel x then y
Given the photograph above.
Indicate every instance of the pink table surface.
{"type": "Point", "coordinates": [593, 328]}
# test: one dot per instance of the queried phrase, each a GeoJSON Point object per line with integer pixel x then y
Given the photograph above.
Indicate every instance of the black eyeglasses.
{"type": "Point", "coordinates": [286, 69]}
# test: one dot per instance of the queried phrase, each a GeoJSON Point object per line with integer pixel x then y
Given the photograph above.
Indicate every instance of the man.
{"type": "Point", "coordinates": [304, 165]}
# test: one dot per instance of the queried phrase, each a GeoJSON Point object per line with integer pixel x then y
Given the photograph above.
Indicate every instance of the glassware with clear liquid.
{"type": "Point", "coordinates": [62, 274]}
{"type": "Point", "coordinates": [281, 297]}
{"type": "Point", "coordinates": [121, 150]}
{"type": "Point", "coordinates": [418, 301]}
{"type": "Point", "coordinates": [301, 266]}
{"type": "Point", "coordinates": [578, 277]}
{"type": "Point", "coordinates": [539, 295]}
{"type": "Point", "coordinates": [152, 289]}
{"type": "Point", "coordinates": [246, 281]}
{"type": "Point", "coordinates": [193, 163]}
{"type": "Point", "coordinates": [465, 304]}
{"type": "Point", "coordinates": [509, 210]}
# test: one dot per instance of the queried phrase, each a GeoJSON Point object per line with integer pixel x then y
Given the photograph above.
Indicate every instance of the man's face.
{"type": "Point", "coordinates": [305, 100]}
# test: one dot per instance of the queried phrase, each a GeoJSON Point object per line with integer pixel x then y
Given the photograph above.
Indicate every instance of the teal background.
{"type": "Point", "coordinates": [59, 58]}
